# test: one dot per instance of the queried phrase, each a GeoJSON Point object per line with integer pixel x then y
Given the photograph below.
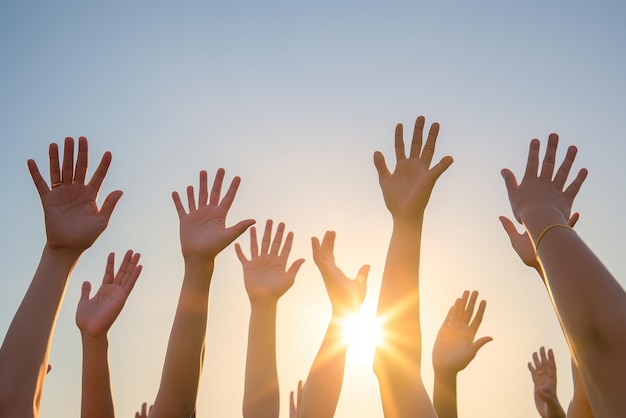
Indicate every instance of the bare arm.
{"type": "Point", "coordinates": [589, 302]}
{"type": "Point", "coordinates": [579, 406]}
{"type": "Point", "coordinates": [73, 223]}
{"type": "Point", "coordinates": [406, 192]}
{"type": "Point", "coordinates": [203, 235]}
{"type": "Point", "coordinates": [266, 278]}
{"type": "Point", "coordinates": [94, 318]}
{"type": "Point", "coordinates": [323, 385]}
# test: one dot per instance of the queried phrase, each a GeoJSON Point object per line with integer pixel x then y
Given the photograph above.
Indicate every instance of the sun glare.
{"type": "Point", "coordinates": [362, 333]}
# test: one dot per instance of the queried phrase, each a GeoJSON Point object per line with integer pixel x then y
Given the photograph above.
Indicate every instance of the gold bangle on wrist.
{"type": "Point", "coordinates": [549, 227]}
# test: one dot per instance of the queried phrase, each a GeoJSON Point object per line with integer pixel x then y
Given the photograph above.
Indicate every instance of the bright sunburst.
{"type": "Point", "coordinates": [362, 333]}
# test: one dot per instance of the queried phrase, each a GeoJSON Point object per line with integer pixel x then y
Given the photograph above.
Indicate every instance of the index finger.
{"type": "Point", "coordinates": [532, 164]}
{"type": "Point", "coordinates": [101, 171]}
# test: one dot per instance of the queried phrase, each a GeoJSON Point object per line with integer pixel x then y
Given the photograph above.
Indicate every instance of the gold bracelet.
{"type": "Point", "coordinates": [549, 227]}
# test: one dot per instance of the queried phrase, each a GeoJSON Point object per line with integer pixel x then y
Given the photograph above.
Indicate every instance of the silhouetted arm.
{"type": "Point", "coordinates": [406, 191]}
{"type": "Point", "coordinates": [73, 222]}
{"type": "Point", "coordinates": [203, 235]}
{"type": "Point", "coordinates": [266, 278]}
{"type": "Point", "coordinates": [323, 385]}
{"type": "Point", "coordinates": [589, 302]}
{"type": "Point", "coordinates": [94, 318]}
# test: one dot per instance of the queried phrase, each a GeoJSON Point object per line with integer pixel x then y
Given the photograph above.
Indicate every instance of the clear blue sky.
{"type": "Point", "coordinates": [295, 97]}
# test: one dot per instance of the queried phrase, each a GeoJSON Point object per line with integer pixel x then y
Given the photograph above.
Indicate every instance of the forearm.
{"type": "Point", "coordinates": [398, 305]}
{"type": "Point", "coordinates": [591, 306]}
{"type": "Point", "coordinates": [590, 302]}
{"type": "Point", "coordinates": [97, 401]}
{"type": "Point", "coordinates": [25, 350]}
{"type": "Point", "coordinates": [261, 393]}
{"type": "Point", "coordinates": [579, 406]}
{"type": "Point", "coordinates": [444, 394]}
{"type": "Point", "coordinates": [183, 360]}
{"type": "Point", "coordinates": [323, 385]}
{"type": "Point", "coordinates": [397, 362]}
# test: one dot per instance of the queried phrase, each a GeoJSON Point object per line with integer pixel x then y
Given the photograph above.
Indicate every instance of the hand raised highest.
{"type": "Point", "coordinates": [407, 190]}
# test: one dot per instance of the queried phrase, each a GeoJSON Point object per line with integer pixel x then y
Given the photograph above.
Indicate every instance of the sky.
{"type": "Point", "coordinates": [295, 97]}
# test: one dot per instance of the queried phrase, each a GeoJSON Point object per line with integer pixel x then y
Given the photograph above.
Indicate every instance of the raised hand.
{"type": "Point", "coordinates": [95, 315]}
{"type": "Point", "coordinates": [203, 231]}
{"type": "Point", "coordinates": [72, 218]}
{"type": "Point", "coordinates": [144, 411]}
{"type": "Point", "coordinates": [408, 188]}
{"type": "Point", "coordinates": [454, 346]}
{"type": "Point", "coordinates": [294, 401]}
{"type": "Point", "coordinates": [544, 193]}
{"type": "Point", "coordinates": [523, 244]}
{"type": "Point", "coordinates": [265, 274]}
{"type": "Point", "coordinates": [346, 295]}
{"type": "Point", "coordinates": [543, 373]}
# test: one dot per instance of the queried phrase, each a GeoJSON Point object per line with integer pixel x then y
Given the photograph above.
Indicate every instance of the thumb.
{"type": "Point", "coordinates": [293, 270]}
{"type": "Point", "coordinates": [381, 166]}
{"type": "Point", "coordinates": [85, 290]}
{"type": "Point", "coordinates": [478, 344]}
{"type": "Point", "coordinates": [239, 228]}
{"type": "Point", "coordinates": [508, 226]}
{"type": "Point", "coordinates": [109, 203]}
{"type": "Point", "coordinates": [361, 276]}
{"type": "Point", "coordinates": [442, 166]}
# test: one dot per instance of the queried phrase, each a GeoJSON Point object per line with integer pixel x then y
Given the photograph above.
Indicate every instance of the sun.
{"type": "Point", "coordinates": [362, 332]}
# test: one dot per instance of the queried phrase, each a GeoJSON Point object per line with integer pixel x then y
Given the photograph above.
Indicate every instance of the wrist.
{"type": "Point", "coordinates": [94, 340]}
{"type": "Point", "coordinates": [264, 303]}
{"type": "Point", "coordinates": [537, 218]}
{"type": "Point", "coordinates": [411, 222]}
{"type": "Point", "coordinates": [199, 265]}
{"type": "Point", "coordinates": [445, 374]}
{"type": "Point", "coordinates": [65, 254]}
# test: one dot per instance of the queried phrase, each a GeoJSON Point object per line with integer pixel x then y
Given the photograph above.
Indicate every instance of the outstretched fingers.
{"type": "Point", "coordinates": [101, 172]}
{"type": "Point", "coordinates": [267, 236]}
{"type": "Point", "coordinates": [563, 172]}
{"type": "Point", "coordinates": [287, 246]}
{"type": "Point", "coordinates": [429, 147]}
{"type": "Point", "coordinates": [40, 183]}
{"type": "Point", "coordinates": [399, 143]}
{"type": "Point", "coordinates": [532, 164]}
{"type": "Point", "coordinates": [438, 169]}
{"type": "Point", "coordinates": [178, 204]}
{"type": "Point", "coordinates": [328, 244]}
{"type": "Point", "coordinates": [478, 318]}
{"type": "Point", "coordinates": [109, 270]}
{"type": "Point", "coordinates": [573, 189]}
{"type": "Point", "coordinates": [80, 172]}
{"type": "Point", "coordinates": [67, 176]}
{"type": "Point", "coordinates": [278, 239]}
{"type": "Point", "coordinates": [85, 291]}
{"type": "Point", "coordinates": [549, 159]}
{"type": "Point", "coordinates": [55, 169]}
{"type": "Point", "coordinates": [191, 199]}
{"type": "Point", "coordinates": [203, 196]}
{"type": "Point", "coordinates": [416, 142]}
{"type": "Point", "coordinates": [510, 182]}
{"type": "Point", "coordinates": [216, 189]}
{"type": "Point", "coordinates": [381, 166]}
{"type": "Point", "coordinates": [109, 204]}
